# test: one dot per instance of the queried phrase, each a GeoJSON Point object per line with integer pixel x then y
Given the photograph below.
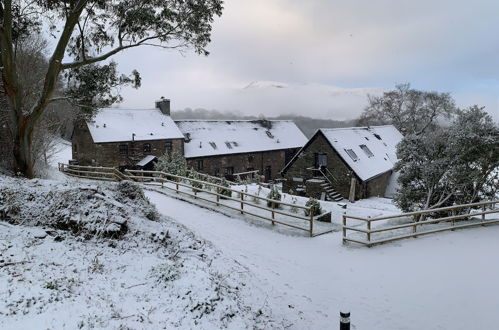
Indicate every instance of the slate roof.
{"type": "Point", "coordinates": [219, 137]}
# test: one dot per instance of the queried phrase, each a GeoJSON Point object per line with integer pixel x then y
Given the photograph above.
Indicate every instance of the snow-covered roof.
{"type": "Point", "coordinates": [369, 151]}
{"type": "Point", "coordinates": [115, 125]}
{"type": "Point", "coordinates": [218, 137]}
{"type": "Point", "coordinates": [146, 160]}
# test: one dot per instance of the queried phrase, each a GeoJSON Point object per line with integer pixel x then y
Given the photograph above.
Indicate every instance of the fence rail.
{"type": "Point", "coordinates": [393, 232]}
{"type": "Point", "coordinates": [194, 187]}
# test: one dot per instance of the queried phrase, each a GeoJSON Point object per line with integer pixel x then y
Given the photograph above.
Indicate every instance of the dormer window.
{"type": "Point", "coordinates": [366, 150]}
{"type": "Point", "coordinates": [352, 154]}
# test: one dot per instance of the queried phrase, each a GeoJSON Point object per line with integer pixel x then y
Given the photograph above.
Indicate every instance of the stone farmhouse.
{"type": "Point", "coordinates": [122, 138]}
{"type": "Point", "coordinates": [134, 138]}
{"type": "Point", "coordinates": [350, 163]}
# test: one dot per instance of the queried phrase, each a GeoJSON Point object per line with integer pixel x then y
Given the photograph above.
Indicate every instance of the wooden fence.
{"type": "Point", "coordinates": [459, 218]}
{"type": "Point", "coordinates": [194, 187]}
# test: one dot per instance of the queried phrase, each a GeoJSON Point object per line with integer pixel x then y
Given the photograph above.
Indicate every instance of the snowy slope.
{"type": "Point", "coordinates": [436, 282]}
{"type": "Point", "coordinates": [58, 271]}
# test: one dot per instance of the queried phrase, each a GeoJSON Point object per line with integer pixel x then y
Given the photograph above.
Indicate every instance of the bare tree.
{"type": "Point", "coordinates": [410, 111]}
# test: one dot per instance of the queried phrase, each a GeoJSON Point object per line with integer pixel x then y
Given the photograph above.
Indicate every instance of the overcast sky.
{"type": "Point", "coordinates": [321, 57]}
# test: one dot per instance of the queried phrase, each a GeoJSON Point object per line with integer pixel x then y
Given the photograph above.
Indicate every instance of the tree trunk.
{"type": "Point", "coordinates": [23, 137]}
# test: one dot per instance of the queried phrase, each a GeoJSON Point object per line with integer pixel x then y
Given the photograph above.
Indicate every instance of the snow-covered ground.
{"type": "Point", "coordinates": [174, 271]}
{"type": "Point", "coordinates": [445, 281]}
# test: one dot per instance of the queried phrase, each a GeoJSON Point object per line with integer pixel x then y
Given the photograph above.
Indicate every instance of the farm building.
{"type": "Point", "coordinates": [126, 138]}
{"type": "Point", "coordinates": [339, 163]}
{"type": "Point", "coordinates": [225, 147]}
{"type": "Point", "coordinates": [134, 138]}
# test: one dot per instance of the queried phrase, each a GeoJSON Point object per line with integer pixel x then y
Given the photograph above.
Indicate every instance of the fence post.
{"type": "Point", "coordinates": [414, 228]}
{"type": "Point", "coordinates": [273, 215]}
{"type": "Point", "coordinates": [344, 321]}
{"type": "Point", "coordinates": [311, 223]}
{"type": "Point", "coordinates": [242, 204]}
{"type": "Point", "coordinates": [344, 229]}
{"type": "Point", "coordinates": [369, 233]}
{"type": "Point", "coordinates": [218, 196]}
{"type": "Point", "coordinates": [483, 209]}
{"type": "Point", "coordinates": [176, 184]}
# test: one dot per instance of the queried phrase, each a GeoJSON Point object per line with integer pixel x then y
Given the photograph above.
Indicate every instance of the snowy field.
{"type": "Point", "coordinates": [194, 268]}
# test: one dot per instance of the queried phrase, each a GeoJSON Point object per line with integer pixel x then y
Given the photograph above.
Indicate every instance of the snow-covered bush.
{"type": "Point", "coordinates": [315, 207]}
{"type": "Point", "coordinates": [293, 208]}
{"type": "Point", "coordinates": [173, 163]}
{"type": "Point", "coordinates": [275, 195]}
{"type": "Point", "coordinates": [256, 200]}
{"type": "Point", "coordinates": [225, 192]}
{"type": "Point", "coordinates": [129, 190]}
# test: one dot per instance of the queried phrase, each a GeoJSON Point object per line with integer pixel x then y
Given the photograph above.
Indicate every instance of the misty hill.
{"type": "Point", "coordinates": [306, 124]}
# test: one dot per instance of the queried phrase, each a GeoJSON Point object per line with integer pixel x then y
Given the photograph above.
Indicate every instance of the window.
{"type": "Point", "coordinates": [377, 136]}
{"type": "Point", "coordinates": [366, 150]}
{"type": "Point", "coordinates": [216, 172]}
{"type": "Point", "coordinates": [352, 154]}
{"type": "Point", "coordinates": [250, 158]}
{"type": "Point", "coordinates": [147, 147]}
{"type": "Point", "coordinates": [200, 164]}
{"type": "Point", "coordinates": [123, 149]}
{"type": "Point", "coordinates": [229, 170]}
{"type": "Point", "coordinates": [269, 134]}
{"type": "Point", "coordinates": [322, 160]}
{"type": "Point", "coordinates": [213, 145]}
{"type": "Point", "coordinates": [228, 145]}
{"type": "Point", "coordinates": [168, 145]}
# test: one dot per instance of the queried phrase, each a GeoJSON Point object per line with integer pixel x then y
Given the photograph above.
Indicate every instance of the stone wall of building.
{"type": "Point", "coordinates": [86, 152]}
{"type": "Point", "coordinates": [376, 187]}
{"type": "Point", "coordinates": [268, 163]}
{"type": "Point", "coordinates": [300, 168]}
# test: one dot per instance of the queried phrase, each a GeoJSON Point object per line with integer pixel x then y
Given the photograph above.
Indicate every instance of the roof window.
{"type": "Point", "coordinates": [269, 134]}
{"type": "Point", "coordinates": [352, 154]}
{"type": "Point", "coordinates": [213, 145]}
{"type": "Point", "coordinates": [228, 145]}
{"type": "Point", "coordinates": [377, 136]}
{"type": "Point", "coordinates": [366, 150]}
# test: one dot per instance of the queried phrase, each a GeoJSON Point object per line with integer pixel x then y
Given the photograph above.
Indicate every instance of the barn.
{"type": "Point", "coordinates": [345, 163]}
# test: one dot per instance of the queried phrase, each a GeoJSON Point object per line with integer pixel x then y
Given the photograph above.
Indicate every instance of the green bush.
{"type": "Point", "coordinates": [275, 195]}
{"type": "Point", "coordinates": [172, 163]}
{"type": "Point", "coordinates": [196, 186]}
{"type": "Point", "coordinates": [315, 207]}
{"type": "Point", "coordinates": [225, 192]}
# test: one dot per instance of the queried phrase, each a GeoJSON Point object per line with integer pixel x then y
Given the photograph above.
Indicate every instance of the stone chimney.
{"type": "Point", "coordinates": [163, 105]}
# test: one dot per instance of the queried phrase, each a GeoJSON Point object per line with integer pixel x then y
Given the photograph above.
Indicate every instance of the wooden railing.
{"type": "Point", "coordinates": [203, 191]}
{"type": "Point", "coordinates": [92, 172]}
{"type": "Point", "coordinates": [461, 217]}
{"type": "Point", "coordinates": [176, 183]}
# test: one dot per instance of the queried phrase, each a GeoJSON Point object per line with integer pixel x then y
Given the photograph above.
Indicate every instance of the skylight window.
{"type": "Point", "coordinates": [228, 145]}
{"type": "Point", "coordinates": [269, 134]}
{"type": "Point", "coordinates": [213, 145]}
{"type": "Point", "coordinates": [352, 154]}
{"type": "Point", "coordinates": [366, 150]}
{"type": "Point", "coordinates": [377, 136]}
